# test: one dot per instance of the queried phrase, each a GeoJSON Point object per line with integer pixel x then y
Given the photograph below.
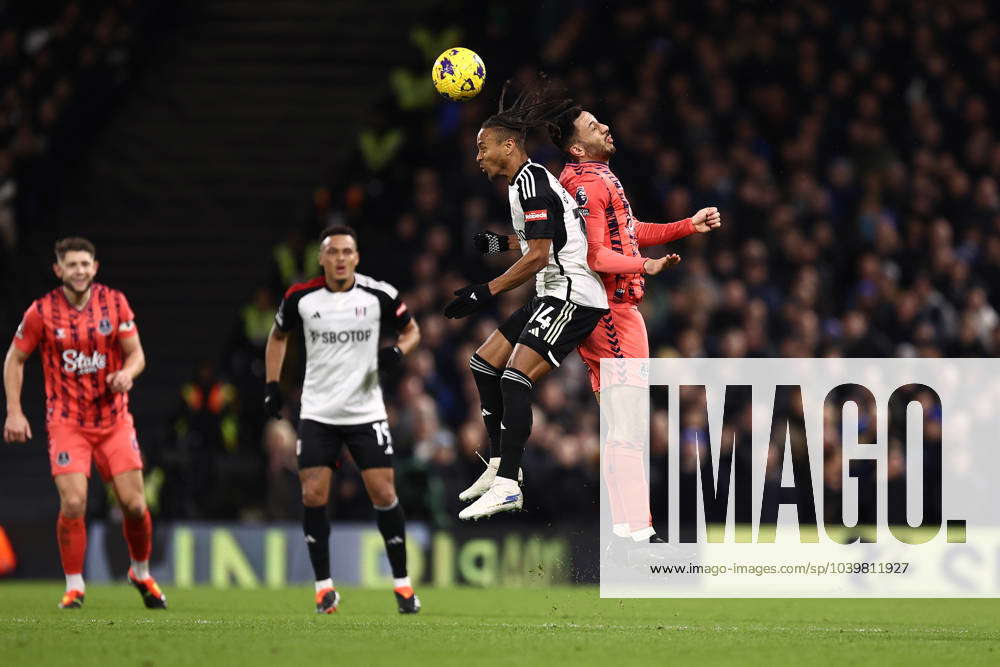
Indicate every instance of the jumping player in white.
{"type": "Point", "coordinates": [569, 298]}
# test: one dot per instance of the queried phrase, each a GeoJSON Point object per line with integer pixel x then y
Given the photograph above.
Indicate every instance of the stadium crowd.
{"type": "Point", "coordinates": [850, 148]}
{"type": "Point", "coordinates": [62, 67]}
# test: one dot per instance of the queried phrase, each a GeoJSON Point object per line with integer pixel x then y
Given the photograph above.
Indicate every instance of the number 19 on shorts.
{"type": "Point", "coordinates": [382, 435]}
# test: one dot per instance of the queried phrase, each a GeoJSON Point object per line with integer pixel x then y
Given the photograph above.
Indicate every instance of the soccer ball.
{"type": "Point", "coordinates": [458, 74]}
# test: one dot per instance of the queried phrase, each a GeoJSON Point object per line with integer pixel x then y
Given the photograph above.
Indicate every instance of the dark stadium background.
{"type": "Point", "coordinates": [851, 148]}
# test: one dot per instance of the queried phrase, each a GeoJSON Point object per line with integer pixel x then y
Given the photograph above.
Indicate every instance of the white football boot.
{"type": "Point", "coordinates": [482, 485]}
{"type": "Point", "coordinates": [502, 496]}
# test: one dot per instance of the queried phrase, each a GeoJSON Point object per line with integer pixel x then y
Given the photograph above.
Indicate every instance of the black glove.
{"type": "Point", "coordinates": [468, 300]}
{"type": "Point", "coordinates": [273, 400]}
{"type": "Point", "coordinates": [491, 243]}
{"type": "Point", "coordinates": [389, 358]}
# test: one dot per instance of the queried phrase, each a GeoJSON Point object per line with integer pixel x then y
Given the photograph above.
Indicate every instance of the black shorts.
{"type": "Point", "coordinates": [320, 444]}
{"type": "Point", "coordinates": [551, 327]}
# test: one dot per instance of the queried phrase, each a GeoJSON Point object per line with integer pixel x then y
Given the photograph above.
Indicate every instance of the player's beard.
{"type": "Point", "coordinates": [601, 150]}
{"type": "Point", "coordinates": [68, 285]}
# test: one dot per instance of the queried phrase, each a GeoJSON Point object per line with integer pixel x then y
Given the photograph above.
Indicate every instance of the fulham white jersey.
{"type": "Point", "coordinates": [342, 331]}
{"type": "Point", "coordinates": [540, 208]}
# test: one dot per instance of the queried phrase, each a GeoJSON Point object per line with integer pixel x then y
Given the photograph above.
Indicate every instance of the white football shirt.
{"type": "Point", "coordinates": [342, 331]}
{"type": "Point", "coordinates": [540, 208]}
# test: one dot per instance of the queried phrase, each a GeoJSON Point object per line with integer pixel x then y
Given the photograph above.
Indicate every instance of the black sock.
{"type": "Point", "coordinates": [517, 421]}
{"type": "Point", "coordinates": [316, 526]}
{"type": "Point", "coordinates": [392, 524]}
{"type": "Point", "coordinates": [490, 399]}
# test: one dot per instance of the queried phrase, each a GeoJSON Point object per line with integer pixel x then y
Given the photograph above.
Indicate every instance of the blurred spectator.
{"type": "Point", "coordinates": [215, 472]}
{"type": "Point", "coordinates": [208, 406]}
{"type": "Point", "coordinates": [249, 338]}
{"type": "Point", "coordinates": [294, 260]}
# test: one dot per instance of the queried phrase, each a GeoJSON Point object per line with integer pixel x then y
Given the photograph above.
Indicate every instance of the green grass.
{"type": "Point", "coordinates": [473, 627]}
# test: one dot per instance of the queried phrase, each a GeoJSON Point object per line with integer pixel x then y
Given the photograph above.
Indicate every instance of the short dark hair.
{"type": "Point", "coordinates": [562, 131]}
{"type": "Point", "coordinates": [534, 107]}
{"type": "Point", "coordinates": [70, 243]}
{"type": "Point", "coordinates": [338, 230]}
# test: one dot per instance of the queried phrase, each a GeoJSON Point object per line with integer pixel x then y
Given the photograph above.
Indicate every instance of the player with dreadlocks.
{"type": "Point", "coordinates": [614, 238]}
{"type": "Point", "coordinates": [569, 298]}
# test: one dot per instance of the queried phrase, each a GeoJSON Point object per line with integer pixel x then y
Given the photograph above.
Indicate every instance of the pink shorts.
{"type": "Point", "coordinates": [621, 334]}
{"type": "Point", "coordinates": [113, 449]}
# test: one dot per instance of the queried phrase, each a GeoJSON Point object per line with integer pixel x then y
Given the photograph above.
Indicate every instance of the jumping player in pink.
{"type": "Point", "coordinates": [614, 238]}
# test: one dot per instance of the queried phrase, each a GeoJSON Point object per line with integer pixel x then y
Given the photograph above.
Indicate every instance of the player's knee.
{"type": "Point", "coordinates": [134, 508]}
{"type": "Point", "coordinates": [381, 490]}
{"type": "Point", "coordinates": [73, 506]}
{"type": "Point", "coordinates": [314, 497]}
{"type": "Point", "coordinates": [383, 497]}
{"type": "Point", "coordinates": [625, 435]}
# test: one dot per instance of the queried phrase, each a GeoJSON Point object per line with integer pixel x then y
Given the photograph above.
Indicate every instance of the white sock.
{"type": "Point", "coordinates": [620, 529]}
{"type": "Point", "coordinates": [494, 462]}
{"type": "Point", "coordinates": [140, 569]}
{"type": "Point", "coordinates": [326, 583]}
{"type": "Point", "coordinates": [402, 582]}
{"type": "Point", "coordinates": [643, 534]}
{"type": "Point", "coordinates": [74, 582]}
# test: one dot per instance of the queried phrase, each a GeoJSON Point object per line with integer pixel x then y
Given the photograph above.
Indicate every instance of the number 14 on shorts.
{"type": "Point", "coordinates": [543, 316]}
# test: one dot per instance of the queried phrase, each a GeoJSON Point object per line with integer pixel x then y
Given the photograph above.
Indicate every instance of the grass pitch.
{"type": "Point", "coordinates": [473, 627]}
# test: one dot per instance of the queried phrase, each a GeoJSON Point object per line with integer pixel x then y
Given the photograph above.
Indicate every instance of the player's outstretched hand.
{"type": "Point", "coordinates": [468, 300]}
{"type": "Point", "coordinates": [119, 381]}
{"type": "Point", "coordinates": [16, 428]}
{"type": "Point", "coordinates": [491, 243]}
{"type": "Point", "coordinates": [653, 266]}
{"type": "Point", "coordinates": [389, 358]}
{"type": "Point", "coordinates": [273, 400]}
{"type": "Point", "coordinates": [706, 219]}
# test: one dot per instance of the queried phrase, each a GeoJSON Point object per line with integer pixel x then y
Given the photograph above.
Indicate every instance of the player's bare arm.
{"type": "Point", "coordinates": [473, 297]}
{"type": "Point", "coordinates": [409, 337]}
{"type": "Point", "coordinates": [391, 356]}
{"type": "Point", "coordinates": [274, 358]}
{"type": "Point", "coordinates": [524, 268]}
{"type": "Point", "coordinates": [134, 363]}
{"type": "Point", "coordinates": [16, 427]}
{"type": "Point", "coordinates": [274, 353]}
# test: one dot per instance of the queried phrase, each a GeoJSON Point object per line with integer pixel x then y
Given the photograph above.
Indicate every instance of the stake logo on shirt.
{"type": "Point", "coordinates": [81, 363]}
